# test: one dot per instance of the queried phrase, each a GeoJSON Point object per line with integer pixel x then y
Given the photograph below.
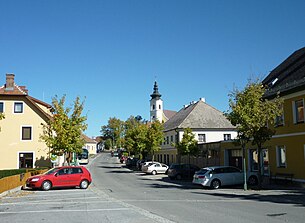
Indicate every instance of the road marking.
{"type": "Point", "coordinates": [79, 210]}
{"type": "Point", "coordinates": [49, 203]}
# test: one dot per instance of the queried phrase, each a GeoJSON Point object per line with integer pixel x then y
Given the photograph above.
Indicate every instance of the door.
{"type": "Point", "coordinates": [62, 178]}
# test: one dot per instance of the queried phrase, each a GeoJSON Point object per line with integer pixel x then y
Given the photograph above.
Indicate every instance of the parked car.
{"type": "Point", "coordinates": [218, 176]}
{"type": "Point", "coordinates": [179, 171]}
{"type": "Point", "coordinates": [155, 168]}
{"type": "Point", "coordinates": [140, 163]}
{"type": "Point", "coordinates": [131, 162]}
{"type": "Point", "coordinates": [67, 176]}
{"type": "Point", "coordinates": [123, 159]}
{"type": "Point", "coordinates": [147, 163]}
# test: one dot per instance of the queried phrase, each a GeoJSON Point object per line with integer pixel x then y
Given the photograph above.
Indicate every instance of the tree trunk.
{"type": "Point", "coordinates": [259, 163]}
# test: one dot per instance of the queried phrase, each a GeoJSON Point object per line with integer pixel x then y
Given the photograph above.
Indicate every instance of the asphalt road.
{"type": "Point", "coordinates": [118, 194]}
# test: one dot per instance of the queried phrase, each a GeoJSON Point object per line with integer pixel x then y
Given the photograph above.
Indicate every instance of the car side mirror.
{"type": "Point", "coordinates": [56, 174]}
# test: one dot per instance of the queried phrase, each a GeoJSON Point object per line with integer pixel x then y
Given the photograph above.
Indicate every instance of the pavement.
{"type": "Point", "coordinates": [271, 189]}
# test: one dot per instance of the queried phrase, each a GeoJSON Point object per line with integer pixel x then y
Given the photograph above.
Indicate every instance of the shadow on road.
{"type": "Point", "coordinates": [294, 197]}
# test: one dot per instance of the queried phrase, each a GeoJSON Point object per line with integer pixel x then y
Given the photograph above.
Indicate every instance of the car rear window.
{"type": "Point", "coordinates": [175, 166]}
{"type": "Point", "coordinates": [203, 171]}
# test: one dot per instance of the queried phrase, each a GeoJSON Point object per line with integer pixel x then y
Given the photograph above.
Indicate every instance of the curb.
{"type": "Point", "coordinates": [12, 191]}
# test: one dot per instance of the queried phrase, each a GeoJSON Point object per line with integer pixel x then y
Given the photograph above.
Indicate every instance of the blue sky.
{"type": "Point", "coordinates": [111, 52]}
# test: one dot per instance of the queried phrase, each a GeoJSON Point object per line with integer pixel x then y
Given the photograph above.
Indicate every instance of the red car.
{"type": "Point", "coordinates": [66, 176]}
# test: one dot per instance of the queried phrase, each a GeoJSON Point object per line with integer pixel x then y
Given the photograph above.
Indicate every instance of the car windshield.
{"type": "Point", "coordinates": [51, 171]}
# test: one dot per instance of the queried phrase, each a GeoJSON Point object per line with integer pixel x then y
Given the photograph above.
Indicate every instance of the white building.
{"type": "Point", "coordinates": [207, 123]}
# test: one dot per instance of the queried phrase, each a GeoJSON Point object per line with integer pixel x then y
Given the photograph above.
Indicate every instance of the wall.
{"type": "Point", "coordinates": [10, 135]}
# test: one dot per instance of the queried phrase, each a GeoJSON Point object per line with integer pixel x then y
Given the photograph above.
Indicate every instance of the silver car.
{"type": "Point", "coordinates": [218, 176]}
{"type": "Point", "coordinates": [155, 168]}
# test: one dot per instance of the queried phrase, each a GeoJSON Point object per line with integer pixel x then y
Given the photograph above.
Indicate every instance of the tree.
{"type": "Point", "coordinates": [154, 138]}
{"type": "Point", "coordinates": [1, 117]}
{"type": "Point", "coordinates": [114, 130]}
{"type": "Point", "coordinates": [108, 144]}
{"type": "Point", "coordinates": [188, 145]}
{"type": "Point", "coordinates": [62, 133]}
{"type": "Point", "coordinates": [254, 116]}
{"type": "Point", "coordinates": [135, 135]}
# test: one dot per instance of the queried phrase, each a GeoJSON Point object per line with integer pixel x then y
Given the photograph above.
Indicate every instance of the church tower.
{"type": "Point", "coordinates": [156, 105]}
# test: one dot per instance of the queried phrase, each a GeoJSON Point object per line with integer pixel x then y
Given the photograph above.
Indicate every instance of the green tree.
{"type": "Point", "coordinates": [62, 133]}
{"type": "Point", "coordinates": [114, 130]}
{"type": "Point", "coordinates": [254, 116]}
{"type": "Point", "coordinates": [1, 117]}
{"type": "Point", "coordinates": [154, 138]}
{"type": "Point", "coordinates": [135, 135]}
{"type": "Point", "coordinates": [188, 145]}
{"type": "Point", "coordinates": [108, 144]}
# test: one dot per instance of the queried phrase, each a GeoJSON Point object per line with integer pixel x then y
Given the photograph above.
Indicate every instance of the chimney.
{"type": "Point", "coordinates": [9, 86]}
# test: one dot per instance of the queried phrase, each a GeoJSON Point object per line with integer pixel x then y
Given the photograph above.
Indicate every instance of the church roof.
{"type": "Point", "coordinates": [199, 115]}
{"type": "Point", "coordinates": [169, 113]}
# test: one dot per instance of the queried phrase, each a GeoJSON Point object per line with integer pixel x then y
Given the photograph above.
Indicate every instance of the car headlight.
{"type": "Point", "coordinates": [34, 179]}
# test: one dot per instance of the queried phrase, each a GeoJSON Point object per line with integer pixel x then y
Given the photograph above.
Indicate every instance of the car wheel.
{"type": "Point", "coordinates": [215, 184]}
{"type": "Point", "coordinates": [46, 185]}
{"type": "Point", "coordinates": [253, 181]}
{"type": "Point", "coordinates": [178, 177]}
{"type": "Point", "coordinates": [154, 172]}
{"type": "Point", "coordinates": [84, 184]}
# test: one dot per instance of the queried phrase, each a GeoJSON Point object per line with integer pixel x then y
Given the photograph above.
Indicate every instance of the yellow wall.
{"type": "Point", "coordinates": [290, 135]}
{"type": "Point", "coordinates": [10, 135]}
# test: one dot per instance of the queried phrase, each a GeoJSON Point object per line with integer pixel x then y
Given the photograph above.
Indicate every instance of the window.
{"type": "Point", "coordinates": [159, 106]}
{"type": "Point", "coordinates": [201, 137]}
{"type": "Point", "coordinates": [167, 140]}
{"type": "Point", "coordinates": [172, 138]}
{"type": "Point", "coordinates": [26, 160]}
{"type": "Point", "coordinates": [281, 156]}
{"type": "Point", "coordinates": [64, 171]}
{"type": "Point", "coordinates": [253, 160]}
{"type": "Point", "coordinates": [153, 107]}
{"type": "Point", "coordinates": [18, 107]}
{"type": "Point", "coordinates": [299, 111]}
{"type": "Point", "coordinates": [76, 170]}
{"type": "Point", "coordinates": [279, 120]}
{"type": "Point", "coordinates": [26, 133]}
{"type": "Point", "coordinates": [1, 107]}
{"type": "Point", "coordinates": [226, 137]}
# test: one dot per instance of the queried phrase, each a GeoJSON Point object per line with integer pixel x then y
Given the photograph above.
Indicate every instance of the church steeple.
{"type": "Point", "coordinates": [156, 105]}
{"type": "Point", "coordinates": [155, 95]}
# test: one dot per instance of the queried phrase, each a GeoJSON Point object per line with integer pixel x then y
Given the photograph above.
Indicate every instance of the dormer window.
{"type": "Point", "coordinates": [18, 107]}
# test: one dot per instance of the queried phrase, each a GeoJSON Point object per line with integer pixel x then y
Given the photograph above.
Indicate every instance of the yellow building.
{"type": "Point", "coordinates": [90, 144]}
{"type": "Point", "coordinates": [285, 152]}
{"type": "Point", "coordinates": [20, 145]}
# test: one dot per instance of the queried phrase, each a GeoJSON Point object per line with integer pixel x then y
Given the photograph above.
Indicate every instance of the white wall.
{"type": "Point", "coordinates": [211, 136]}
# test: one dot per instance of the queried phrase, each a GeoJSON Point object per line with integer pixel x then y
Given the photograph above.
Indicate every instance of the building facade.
{"type": "Point", "coordinates": [285, 152]}
{"type": "Point", "coordinates": [20, 143]}
{"type": "Point", "coordinates": [207, 123]}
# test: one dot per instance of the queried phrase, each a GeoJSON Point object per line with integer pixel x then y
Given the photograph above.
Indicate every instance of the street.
{"type": "Point", "coordinates": [118, 194]}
